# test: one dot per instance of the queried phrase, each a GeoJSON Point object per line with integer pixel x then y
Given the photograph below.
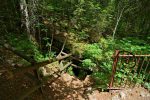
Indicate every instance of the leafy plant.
{"type": "Point", "coordinates": [101, 80]}
{"type": "Point", "coordinates": [93, 52]}
{"type": "Point", "coordinates": [147, 85]}
{"type": "Point", "coordinates": [24, 45]}
{"type": "Point", "coordinates": [70, 70]}
{"type": "Point", "coordinates": [87, 63]}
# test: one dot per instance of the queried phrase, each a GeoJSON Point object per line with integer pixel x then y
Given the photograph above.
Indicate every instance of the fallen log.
{"type": "Point", "coordinates": [12, 49]}
{"type": "Point", "coordinates": [35, 65]}
{"type": "Point", "coordinates": [38, 65]}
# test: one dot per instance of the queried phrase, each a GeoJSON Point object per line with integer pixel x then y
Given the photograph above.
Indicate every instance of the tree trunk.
{"type": "Point", "coordinates": [118, 20]}
{"type": "Point", "coordinates": [25, 15]}
{"type": "Point", "coordinates": [33, 4]}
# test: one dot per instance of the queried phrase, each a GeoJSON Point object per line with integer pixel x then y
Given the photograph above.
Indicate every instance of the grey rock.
{"type": "Point", "coordinates": [9, 61]}
{"type": "Point", "coordinates": [13, 64]}
{"type": "Point", "coordinates": [142, 94]}
{"type": "Point", "coordinates": [148, 95]}
{"type": "Point", "coordinates": [122, 95]}
{"type": "Point", "coordinates": [116, 97]}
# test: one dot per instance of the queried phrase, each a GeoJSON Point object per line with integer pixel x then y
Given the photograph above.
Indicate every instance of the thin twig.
{"type": "Point", "coordinates": [51, 42]}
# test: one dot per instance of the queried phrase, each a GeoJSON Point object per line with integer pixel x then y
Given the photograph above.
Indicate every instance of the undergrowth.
{"type": "Point", "coordinates": [22, 44]}
{"type": "Point", "coordinates": [97, 57]}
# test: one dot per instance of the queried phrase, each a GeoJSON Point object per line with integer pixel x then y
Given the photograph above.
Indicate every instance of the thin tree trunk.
{"type": "Point", "coordinates": [118, 20]}
{"type": "Point", "coordinates": [32, 9]}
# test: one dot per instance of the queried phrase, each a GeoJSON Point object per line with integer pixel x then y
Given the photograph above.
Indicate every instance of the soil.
{"type": "Point", "coordinates": [66, 87]}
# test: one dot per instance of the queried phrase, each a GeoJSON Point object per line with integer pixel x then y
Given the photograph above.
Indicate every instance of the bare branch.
{"type": "Point", "coordinates": [59, 55]}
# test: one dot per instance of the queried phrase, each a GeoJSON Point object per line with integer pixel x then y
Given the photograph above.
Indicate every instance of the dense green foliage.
{"type": "Point", "coordinates": [100, 55]}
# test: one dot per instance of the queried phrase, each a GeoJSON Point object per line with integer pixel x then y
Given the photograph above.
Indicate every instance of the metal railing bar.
{"type": "Point", "coordinates": [145, 69]}
{"type": "Point", "coordinates": [131, 69]}
{"type": "Point", "coordinates": [147, 76]}
{"type": "Point", "coordinates": [123, 60]}
{"type": "Point", "coordinates": [114, 68]}
{"type": "Point", "coordinates": [134, 55]}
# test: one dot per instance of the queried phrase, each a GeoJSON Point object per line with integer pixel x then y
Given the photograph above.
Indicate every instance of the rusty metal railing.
{"type": "Point", "coordinates": [129, 69]}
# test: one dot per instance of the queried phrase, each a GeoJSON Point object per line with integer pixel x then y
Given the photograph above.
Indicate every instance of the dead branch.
{"type": "Point", "coordinates": [62, 48]}
{"type": "Point", "coordinates": [77, 59]}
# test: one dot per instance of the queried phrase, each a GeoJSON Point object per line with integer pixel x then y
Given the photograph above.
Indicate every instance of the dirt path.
{"type": "Point", "coordinates": [70, 88]}
{"type": "Point", "coordinates": [67, 88]}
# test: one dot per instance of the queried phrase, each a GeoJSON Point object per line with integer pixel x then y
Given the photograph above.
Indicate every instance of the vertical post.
{"type": "Point", "coordinates": [115, 61]}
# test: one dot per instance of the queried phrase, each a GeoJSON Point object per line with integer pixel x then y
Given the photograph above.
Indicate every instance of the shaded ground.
{"type": "Point", "coordinates": [68, 88]}
{"type": "Point", "coordinates": [65, 87]}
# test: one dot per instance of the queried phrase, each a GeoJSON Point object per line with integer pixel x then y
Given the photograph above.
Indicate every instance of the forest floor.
{"type": "Point", "coordinates": [66, 87]}
{"type": "Point", "coordinates": [70, 88]}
